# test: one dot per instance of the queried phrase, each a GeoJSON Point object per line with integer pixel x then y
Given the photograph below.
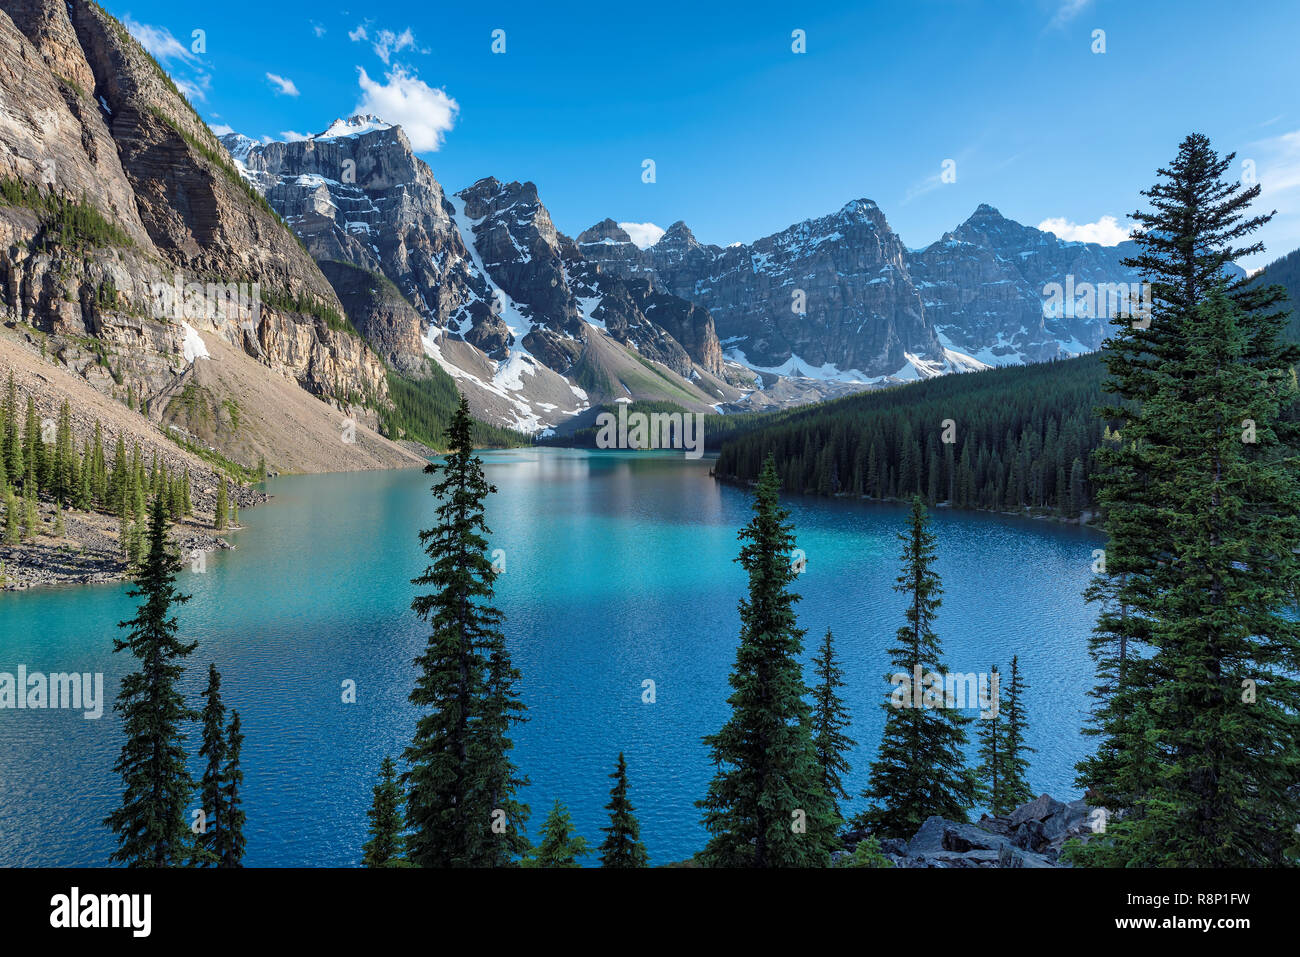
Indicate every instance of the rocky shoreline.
{"type": "Point", "coordinates": [89, 552]}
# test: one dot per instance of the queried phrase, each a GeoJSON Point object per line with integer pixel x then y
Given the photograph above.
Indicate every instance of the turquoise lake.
{"type": "Point", "coordinates": [619, 567]}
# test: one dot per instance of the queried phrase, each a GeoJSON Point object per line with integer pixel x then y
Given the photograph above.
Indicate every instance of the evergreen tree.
{"type": "Point", "coordinates": [462, 805]}
{"type": "Point", "coordinates": [765, 806]}
{"type": "Point", "coordinates": [208, 844]}
{"type": "Point", "coordinates": [993, 758]}
{"type": "Point", "coordinates": [622, 846]}
{"type": "Point", "coordinates": [100, 486]}
{"type": "Point", "coordinates": [150, 824]}
{"type": "Point", "coordinates": [13, 453]}
{"type": "Point", "coordinates": [1015, 788]}
{"type": "Point", "coordinates": [119, 498]}
{"type": "Point", "coordinates": [33, 450]}
{"type": "Point", "coordinates": [1203, 519]}
{"type": "Point", "coordinates": [830, 721]}
{"type": "Point", "coordinates": [230, 847]}
{"type": "Point", "coordinates": [219, 517]}
{"type": "Point", "coordinates": [560, 847]}
{"type": "Point", "coordinates": [920, 769]}
{"type": "Point", "coordinates": [13, 532]}
{"type": "Point", "coordinates": [386, 844]}
{"type": "Point", "coordinates": [31, 514]}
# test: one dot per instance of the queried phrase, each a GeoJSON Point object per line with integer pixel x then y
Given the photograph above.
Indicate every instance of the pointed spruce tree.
{"type": "Point", "coordinates": [462, 788]}
{"type": "Point", "coordinates": [765, 806]}
{"type": "Point", "coordinates": [151, 824]}
{"type": "Point", "coordinates": [830, 722]}
{"type": "Point", "coordinates": [231, 846]}
{"type": "Point", "coordinates": [1200, 507]}
{"type": "Point", "coordinates": [1015, 766]}
{"type": "Point", "coordinates": [386, 844]}
{"type": "Point", "coordinates": [920, 768]}
{"type": "Point", "coordinates": [991, 772]}
{"type": "Point", "coordinates": [622, 846]}
{"type": "Point", "coordinates": [207, 845]}
{"type": "Point", "coordinates": [219, 516]}
{"type": "Point", "coordinates": [560, 847]}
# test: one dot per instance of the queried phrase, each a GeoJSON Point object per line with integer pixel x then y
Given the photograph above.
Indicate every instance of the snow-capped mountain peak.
{"type": "Point", "coordinates": [353, 126]}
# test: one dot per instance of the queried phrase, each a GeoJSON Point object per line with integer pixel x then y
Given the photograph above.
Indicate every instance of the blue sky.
{"type": "Point", "coordinates": [748, 136]}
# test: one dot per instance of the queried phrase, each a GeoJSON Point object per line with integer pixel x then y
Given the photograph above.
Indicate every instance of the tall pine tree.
{"type": "Point", "coordinates": [1015, 786]}
{"type": "Point", "coordinates": [622, 846]}
{"type": "Point", "coordinates": [230, 847]}
{"type": "Point", "coordinates": [1204, 523]}
{"type": "Point", "coordinates": [920, 769]}
{"type": "Point", "coordinates": [150, 824]}
{"type": "Point", "coordinates": [462, 804]}
{"type": "Point", "coordinates": [992, 773]}
{"type": "Point", "coordinates": [386, 845]}
{"type": "Point", "coordinates": [830, 721]}
{"type": "Point", "coordinates": [213, 748]}
{"type": "Point", "coordinates": [765, 806]}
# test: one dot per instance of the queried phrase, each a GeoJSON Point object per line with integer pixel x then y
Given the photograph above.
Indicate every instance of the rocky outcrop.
{"type": "Point", "coordinates": [524, 255]}
{"type": "Point", "coordinates": [984, 289]}
{"type": "Point", "coordinates": [829, 292]}
{"type": "Point", "coordinates": [92, 131]}
{"type": "Point", "coordinates": [381, 314]}
{"type": "Point", "coordinates": [356, 193]}
{"type": "Point", "coordinates": [1031, 836]}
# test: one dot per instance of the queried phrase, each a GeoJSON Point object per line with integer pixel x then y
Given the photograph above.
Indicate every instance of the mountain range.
{"type": "Point", "coordinates": [371, 277]}
{"type": "Point", "coordinates": [539, 328]}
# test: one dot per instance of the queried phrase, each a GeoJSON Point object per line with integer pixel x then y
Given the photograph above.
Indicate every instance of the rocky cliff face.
{"type": "Point", "coordinates": [92, 131]}
{"type": "Point", "coordinates": [840, 298]}
{"type": "Point", "coordinates": [506, 303]}
{"type": "Point", "coordinates": [356, 193]}
{"type": "Point", "coordinates": [983, 286]}
{"type": "Point", "coordinates": [829, 297]}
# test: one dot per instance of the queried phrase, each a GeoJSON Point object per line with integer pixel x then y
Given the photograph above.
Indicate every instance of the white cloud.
{"type": "Point", "coordinates": [359, 34]}
{"type": "Point", "coordinates": [221, 129]}
{"type": "Point", "coordinates": [1068, 10]}
{"type": "Point", "coordinates": [284, 86]}
{"type": "Point", "coordinates": [167, 50]}
{"type": "Point", "coordinates": [920, 188]}
{"type": "Point", "coordinates": [159, 41]}
{"type": "Point", "coordinates": [195, 89]}
{"type": "Point", "coordinates": [644, 235]}
{"type": "Point", "coordinates": [1276, 165]}
{"type": "Point", "coordinates": [387, 43]}
{"type": "Point", "coordinates": [291, 136]}
{"type": "Point", "coordinates": [1276, 162]}
{"type": "Point", "coordinates": [1107, 231]}
{"type": "Point", "coordinates": [318, 28]}
{"type": "Point", "coordinates": [426, 113]}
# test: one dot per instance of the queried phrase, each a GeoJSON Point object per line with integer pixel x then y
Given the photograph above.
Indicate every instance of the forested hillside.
{"type": "Point", "coordinates": [1011, 438]}
{"type": "Point", "coordinates": [422, 409]}
{"type": "Point", "coordinates": [1286, 273]}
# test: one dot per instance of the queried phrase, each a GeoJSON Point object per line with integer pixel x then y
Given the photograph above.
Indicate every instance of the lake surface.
{"type": "Point", "coordinates": [619, 568]}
